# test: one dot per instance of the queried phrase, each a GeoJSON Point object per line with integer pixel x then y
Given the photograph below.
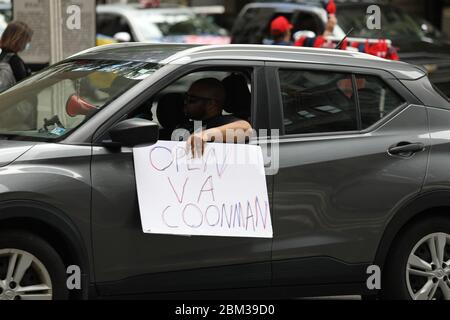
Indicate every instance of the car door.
{"type": "Point", "coordinates": [129, 261]}
{"type": "Point", "coordinates": [340, 175]}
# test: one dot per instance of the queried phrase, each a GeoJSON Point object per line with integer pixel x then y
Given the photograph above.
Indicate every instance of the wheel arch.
{"type": "Point", "coordinates": [55, 227]}
{"type": "Point", "coordinates": [432, 203]}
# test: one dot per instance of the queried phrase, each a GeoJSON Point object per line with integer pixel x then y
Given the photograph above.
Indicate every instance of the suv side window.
{"type": "Point", "coordinates": [167, 107]}
{"type": "Point", "coordinates": [110, 24]}
{"type": "Point", "coordinates": [317, 101]}
{"type": "Point", "coordinates": [376, 99]}
{"type": "Point", "coordinates": [251, 26]}
{"type": "Point", "coordinates": [307, 21]}
{"type": "Point", "coordinates": [107, 24]}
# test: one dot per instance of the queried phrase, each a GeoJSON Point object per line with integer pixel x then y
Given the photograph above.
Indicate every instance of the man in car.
{"type": "Point", "coordinates": [204, 104]}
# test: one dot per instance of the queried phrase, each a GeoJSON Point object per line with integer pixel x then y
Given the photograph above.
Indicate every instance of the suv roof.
{"type": "Point", "coordinates": [172, 53]}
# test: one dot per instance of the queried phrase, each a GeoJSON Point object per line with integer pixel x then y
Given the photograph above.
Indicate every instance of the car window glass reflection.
{"type": "Point", "coordinates": [56, 101]}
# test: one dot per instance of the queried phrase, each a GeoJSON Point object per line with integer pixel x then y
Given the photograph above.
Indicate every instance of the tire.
{"type": "Point", "coordinates": [411, 271]}
{"type": "Point", "coordinates": [42, 265]}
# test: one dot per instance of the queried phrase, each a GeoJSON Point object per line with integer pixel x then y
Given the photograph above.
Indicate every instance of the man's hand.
{"type": "Point", "coordinates": [330, 25]}
{"type": "Point", "coordinates": [196, 144]}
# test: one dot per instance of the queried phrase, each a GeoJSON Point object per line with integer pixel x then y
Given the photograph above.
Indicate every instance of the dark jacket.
{"type": "Point", "coordinates": [18, 66]}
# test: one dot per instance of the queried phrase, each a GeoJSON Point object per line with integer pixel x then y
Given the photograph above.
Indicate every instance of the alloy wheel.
{"type": "Point", "coordinates": [23, 277]}
{"type": "Point", "coordinates": [428, 268]}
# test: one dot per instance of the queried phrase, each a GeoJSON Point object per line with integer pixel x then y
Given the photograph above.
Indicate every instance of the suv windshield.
{"type": "Point", "coordinates": [394, 23]}
{"type": "Point", "coordinates": [57, 100]}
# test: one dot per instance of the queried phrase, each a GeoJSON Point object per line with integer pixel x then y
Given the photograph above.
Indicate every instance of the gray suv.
{"type": "Point", "coordinates": [362, 179]}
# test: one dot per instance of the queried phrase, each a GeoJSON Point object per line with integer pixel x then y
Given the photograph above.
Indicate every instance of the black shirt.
{"type": "Point", "coordinates": [18, 66]}
{"type": "Point", "coordinates": [215, 122]}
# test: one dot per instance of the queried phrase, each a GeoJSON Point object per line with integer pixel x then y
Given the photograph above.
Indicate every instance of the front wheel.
{"type": "Point", "coordinates": [30, 269]}
{"type": "Point", "coordinates": [418, 266]}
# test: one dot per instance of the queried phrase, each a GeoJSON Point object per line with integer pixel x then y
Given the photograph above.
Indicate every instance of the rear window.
{"type": "Point", "coordinates": [443, 95]}
{"type": "Point", "coordinates": [251, 26]}
{"type": "Point", "coordinates": [376, 99]}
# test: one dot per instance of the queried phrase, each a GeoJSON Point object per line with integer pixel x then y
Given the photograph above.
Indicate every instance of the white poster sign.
{"type": "Point", "coordinates": [222, 194]}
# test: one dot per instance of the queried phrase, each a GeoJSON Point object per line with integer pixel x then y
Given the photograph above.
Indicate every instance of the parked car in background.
{"type": "Point", "coordinates": [363, 176]}
{"type": "Point", "coordinates": [418, 42]}
{"type": "Point", "coordinates": [158, 25]}
{"type": "Point", "coordinates": [5, 15]}
{"type": "Point", "coordinates": [6, 10]}
{"type": "Point", "coordinates": [218, 14]}
{"type": "Point", "coordinates": [3, 24]}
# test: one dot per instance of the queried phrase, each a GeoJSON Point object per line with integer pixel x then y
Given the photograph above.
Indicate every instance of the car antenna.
{"type": "Point", "coordinates": [339, 45]}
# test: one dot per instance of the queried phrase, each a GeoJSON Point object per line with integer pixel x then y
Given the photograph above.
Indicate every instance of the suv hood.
{"type": "Point", "coordinates": [11, 150]}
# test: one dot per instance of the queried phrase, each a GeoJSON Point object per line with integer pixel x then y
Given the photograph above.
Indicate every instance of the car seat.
{"type": "Point", "coordinates": [238, 97]}
{"type": "Point", "coordinates": [170, 113]}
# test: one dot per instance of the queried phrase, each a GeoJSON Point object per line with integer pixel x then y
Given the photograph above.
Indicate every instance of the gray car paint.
{"type": "Point", "coordinates": [334, 194]}
{"type": "Point", "coordinates": [56, 175]}
{"type": "Point", "coordinates": [438, 176]}
{"type": "Point", "coordinates": [116, 224]}
{"type": "Point", "coordinates": [11, 150]}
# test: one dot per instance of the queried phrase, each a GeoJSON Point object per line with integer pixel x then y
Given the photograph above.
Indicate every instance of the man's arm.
{"type": "Point", "coordinates": [234, 132]}
{"type": "Point", "coordinates": [229, 132]}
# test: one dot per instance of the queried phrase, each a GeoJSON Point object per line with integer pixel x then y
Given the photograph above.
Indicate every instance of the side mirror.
{"type": "Point", "coordinates": [133, 132]}
{"type": "Point", "coordinates": [122, 37]}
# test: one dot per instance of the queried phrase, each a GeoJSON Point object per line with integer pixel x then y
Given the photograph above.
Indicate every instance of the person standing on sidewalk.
{"type": "Point", "coordinates": [16, 38]}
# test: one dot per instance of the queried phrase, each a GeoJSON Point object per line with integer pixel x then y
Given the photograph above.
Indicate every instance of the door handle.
{"type": "Point", "coordinates": [406, 149]}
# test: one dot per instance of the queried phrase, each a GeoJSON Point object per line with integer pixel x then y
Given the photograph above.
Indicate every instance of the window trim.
{"type": "Point", "coordinates": [358, 106]}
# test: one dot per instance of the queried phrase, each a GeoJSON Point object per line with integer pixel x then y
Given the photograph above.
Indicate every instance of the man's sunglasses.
{"type": "Point", "coordinates": [189, 98]}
